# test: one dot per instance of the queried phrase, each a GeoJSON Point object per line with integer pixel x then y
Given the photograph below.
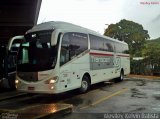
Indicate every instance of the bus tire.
{"type": "Point", "coordinates": [121, 77]}
{"type": "Point", "coordinates": [85, 84]}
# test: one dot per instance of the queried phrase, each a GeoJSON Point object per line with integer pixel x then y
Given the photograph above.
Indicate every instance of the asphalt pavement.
{"type": "Point", "coordinates": [134, 97]}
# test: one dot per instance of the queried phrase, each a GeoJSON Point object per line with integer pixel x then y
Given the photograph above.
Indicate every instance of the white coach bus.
{"type": "Point", "coordinates": [58, 56]}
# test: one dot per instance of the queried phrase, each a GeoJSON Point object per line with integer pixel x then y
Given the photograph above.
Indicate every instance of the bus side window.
{"type": "Point", "coordinates": [64, 56]}
{"type": "Point", "coordinates": [72, 45]}
{"type": "Point", "coordinates": [78, 44]}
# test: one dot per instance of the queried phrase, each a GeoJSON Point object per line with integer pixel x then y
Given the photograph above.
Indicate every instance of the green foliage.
{"type": "Point", "coordinates": [130, 32]}
{"type": "Point", "coordinates": [154, 42]}
{"type": "Point", "coordinates": [151, 52]}
{"type": "Point", "coordinates": [138, 67]}
{"type": "Point", "coordinates": [150, 65]}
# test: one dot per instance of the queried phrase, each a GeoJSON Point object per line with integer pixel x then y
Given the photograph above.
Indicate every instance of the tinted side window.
{"type": "Point", "coordinates": [121, 48]}
{"type": "Point", "coordinates": [78, 43]}
{"type": "Point", "coordinates": [98, 43]}
{"type": "Point", "coordinates": [72, 44]}
{"type": "Point", "coordinates": [125, 49]}
{"type": "Point", "coordinates": [108, 45]}
{"type": "Point", "coordinates": [64, 57]}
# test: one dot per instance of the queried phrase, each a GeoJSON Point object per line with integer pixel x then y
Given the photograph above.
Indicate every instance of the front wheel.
{"type": "Point", "coordinates": [85, 84]}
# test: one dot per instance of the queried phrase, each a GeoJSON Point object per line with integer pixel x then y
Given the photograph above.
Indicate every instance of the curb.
{"type": "Point", "coordinates": [38, 111]}
{"type": "Point", "coordinates": [12, 96]}
{"type": "Point", "coordinates": [139, 79]}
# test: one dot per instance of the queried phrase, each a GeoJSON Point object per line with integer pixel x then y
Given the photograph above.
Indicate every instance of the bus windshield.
{"type": "Point", "coordinates": [36, 54]}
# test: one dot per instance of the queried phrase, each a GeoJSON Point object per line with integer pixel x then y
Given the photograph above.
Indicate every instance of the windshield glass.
{"type": "Point", "coordinates": [37, 54]}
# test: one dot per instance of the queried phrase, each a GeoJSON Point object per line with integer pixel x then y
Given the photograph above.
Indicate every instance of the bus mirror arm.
{"type": "Point", "coordinates": [12, 40]}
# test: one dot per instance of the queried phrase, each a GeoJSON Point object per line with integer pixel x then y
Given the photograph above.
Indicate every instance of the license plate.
{"type": "Point", "coordinates": [30, 88]}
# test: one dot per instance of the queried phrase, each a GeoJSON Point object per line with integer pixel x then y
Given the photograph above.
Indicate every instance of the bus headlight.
{"type": "Point", "coordinates": [52, 87]}
{"type": "Point", "coordinates": [16, 81]}
{"type": "Point", "coordinates": [52, 80]}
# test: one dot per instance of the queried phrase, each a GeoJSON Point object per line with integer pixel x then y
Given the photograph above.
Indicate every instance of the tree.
{"type": "Point", "coordinates": [130, 32]}
{"type": "Point", "coordinates": [151, 54]}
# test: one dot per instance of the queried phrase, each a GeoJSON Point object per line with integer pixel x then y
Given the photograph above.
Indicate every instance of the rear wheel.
{"type": "Point", "coordinates": [121, 77]}
{"type": "Point", "coordinates": [85, 84]}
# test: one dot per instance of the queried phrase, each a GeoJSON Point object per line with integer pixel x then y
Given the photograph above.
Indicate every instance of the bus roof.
{"type": "Point", "coordinates": [64, 26]}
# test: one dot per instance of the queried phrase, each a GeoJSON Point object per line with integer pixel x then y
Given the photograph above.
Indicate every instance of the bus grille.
{"type": "Point", "coordinates": [28, 76]}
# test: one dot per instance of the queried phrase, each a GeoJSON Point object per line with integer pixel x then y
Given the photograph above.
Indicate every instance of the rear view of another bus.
{"type": "Point", "coordinates": [8, 59]}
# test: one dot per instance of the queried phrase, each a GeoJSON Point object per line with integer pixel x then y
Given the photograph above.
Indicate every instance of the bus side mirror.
{"type": "Point", "coordinates": [18, 38]}
{"type": "Point", "coordinates": [54, 37]}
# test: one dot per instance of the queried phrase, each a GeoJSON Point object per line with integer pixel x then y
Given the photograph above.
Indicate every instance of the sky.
{"type": "Point", "coordinates": [98, 14]}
